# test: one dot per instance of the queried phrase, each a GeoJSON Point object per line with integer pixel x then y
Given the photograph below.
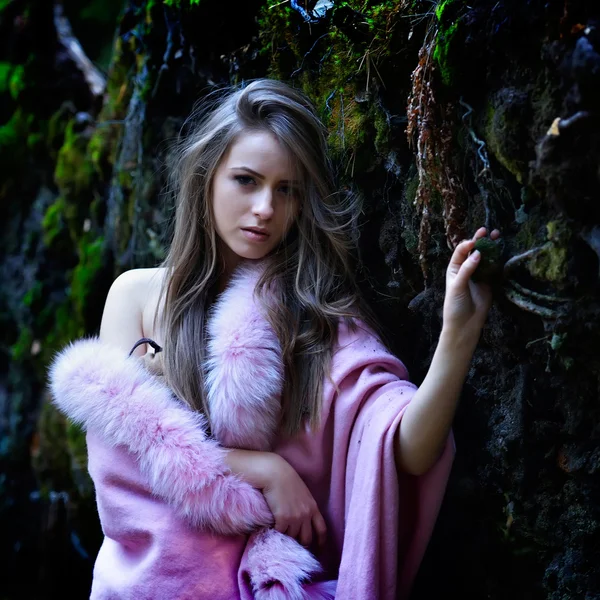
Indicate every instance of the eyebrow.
{"type": "Point", "coordinates": [256, 174]}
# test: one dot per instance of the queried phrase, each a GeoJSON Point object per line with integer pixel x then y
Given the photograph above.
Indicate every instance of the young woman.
{"type": "Point", "coordinates": [350, 458]}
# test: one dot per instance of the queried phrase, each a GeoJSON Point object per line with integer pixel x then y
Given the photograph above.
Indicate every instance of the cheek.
{"type": "Point", "coordinates": [226, 204]}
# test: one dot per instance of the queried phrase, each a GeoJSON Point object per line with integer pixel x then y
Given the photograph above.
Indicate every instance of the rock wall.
{"type": "Point", "coordinates": [443, 116]}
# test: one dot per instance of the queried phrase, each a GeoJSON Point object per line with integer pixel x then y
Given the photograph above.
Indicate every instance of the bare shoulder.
{"type": "Point", "coordinates": [126, 304]}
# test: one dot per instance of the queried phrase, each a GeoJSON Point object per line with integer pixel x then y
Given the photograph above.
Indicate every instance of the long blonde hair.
{"type": "Point", "coordinates": [310, 277]}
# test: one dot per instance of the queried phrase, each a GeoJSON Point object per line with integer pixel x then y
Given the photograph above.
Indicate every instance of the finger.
{"type": "Point", "coordinates": [495, 234]}
{"type": "Point", "coordinates": [460, 255]}
{"type": "Point", "coordinates": [305, 537]}
{"type": "Point", "coordinates": [320, 528]}
{"type": "Point", "coordinates": [281, 525]}
{"type": "Point", "coordinates": [293, 529]}
{"type": "Point", "coordinates": [467, 269]}
{"type": "Point", "coordinates": [481, 232]}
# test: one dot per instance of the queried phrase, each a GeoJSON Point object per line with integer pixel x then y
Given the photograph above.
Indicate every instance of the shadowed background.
{"type": "Point", "coordinates": [443, 116]}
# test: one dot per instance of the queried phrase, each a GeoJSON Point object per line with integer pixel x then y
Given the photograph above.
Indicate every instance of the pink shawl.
{"type": "Point", "coordinates": [159, 477]}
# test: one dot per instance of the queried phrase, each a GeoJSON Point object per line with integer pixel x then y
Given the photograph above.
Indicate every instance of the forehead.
{"type": "Point", "coordinates": [261, 152]}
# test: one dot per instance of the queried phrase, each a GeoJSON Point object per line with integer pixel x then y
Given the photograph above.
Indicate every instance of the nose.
{"type": "Point", "coordinates": [263, 204]}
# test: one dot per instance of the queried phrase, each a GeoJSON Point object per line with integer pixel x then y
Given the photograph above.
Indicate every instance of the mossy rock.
{"type": "Point", "coordinates": [551, 263]}
{"type": "Point", "coordinates": [490, 263]}
{"type": "Point", "coordinates": [91, 261]}
{"type": "Point", "coordinates": [73, 171]}
{"type": "Point", "coordinates": [506, 131]}
{"type": "Point", "coordinates": [447, 41]}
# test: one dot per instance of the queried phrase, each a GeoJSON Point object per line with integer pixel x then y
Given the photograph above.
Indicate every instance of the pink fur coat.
{"type": "Point", "coordinates": [179, 525]}
{"type": "Point", "coordinates": [103, 390]}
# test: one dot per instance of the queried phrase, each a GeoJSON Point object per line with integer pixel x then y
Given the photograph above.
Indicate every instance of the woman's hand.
{"type": "Point", "coordinates": [294, 509]}
{"type": "Point", "coordinates": [467, 303]}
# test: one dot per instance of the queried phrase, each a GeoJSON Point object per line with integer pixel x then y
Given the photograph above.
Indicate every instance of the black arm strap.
{"type": "Point", "coordinates": [148, 341]}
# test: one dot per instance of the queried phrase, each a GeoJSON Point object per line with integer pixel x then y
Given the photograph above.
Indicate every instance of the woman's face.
{"type": "Point", "coordinates": [254, 197]}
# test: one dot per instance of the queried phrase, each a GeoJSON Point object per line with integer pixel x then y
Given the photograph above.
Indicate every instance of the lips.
{"type": "Point", "coordinates": [257, 230]}
{"type": "Point", "coordinates": [256, 235]}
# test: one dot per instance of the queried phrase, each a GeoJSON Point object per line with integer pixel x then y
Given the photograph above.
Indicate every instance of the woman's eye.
{"type": "Point", "coordinates": [244, 179]}
{"type": "Point", "coordinates": [288, 191]}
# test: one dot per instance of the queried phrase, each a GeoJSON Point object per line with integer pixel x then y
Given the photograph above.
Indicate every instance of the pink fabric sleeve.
{"type": "Point", "coordinates": [379, 522]}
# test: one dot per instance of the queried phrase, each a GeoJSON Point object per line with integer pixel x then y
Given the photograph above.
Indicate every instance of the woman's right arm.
{"type": "Point", "coordinates": [122, 317]}
{"type": "Point", "coordinates": [294, 509]}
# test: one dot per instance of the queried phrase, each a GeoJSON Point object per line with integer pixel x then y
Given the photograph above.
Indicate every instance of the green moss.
{"type": "Point", "coordinates": [9, 132]}
{"type": "Point", "coordinates": [125, 178]}
{"type": "Point", "coordinates": [500, 133]}
{"type": "Point", "coordinates": [557, 231]}
{"type": "Point", "coordinates": [73, 171]}
{"type": "Point", "coordinates": [12, 132]}
{"type": "Point", "coordinates": [102, 148]}
{"type": "Point", "coordinates": [5, 71]}
{"type": "Point", "coordinates": [410, 229]}
{"type": "Point", "coordinates": [4, 4]}
{"type": "Point", "coordinates": [33, 294]}
{"type": "Point", "coordinates": [177, 3]}
{"type": "Point", "coordinates": [68, 326]}
{"type": "Point", "coordinates": [91, 259]}
{"type": "Point", "coordinates": [442, 53]}
{"type": "Point", "coordinates": [410, 190]}
{"type": "Point", "coordinates": [55, 130]}
{"type": "Point", "coordinates": [103, 143]}
{"type": "Point", "coordinates": [275, 34]}
{"type": "Point", "coordinates": [382, 129]}
{"type": "Point", "coordinates": [445, 40]}
{"type": "Point", "coordinates": [21, 349]}
{"type": "Point", "coordinates": [34, 140]}
{"type": "Point", "coordinates": [441, 8]}
{"type": "Point", "coordinates": [12, 79]}
{"type": "Point", "coordinates": [490, 263]}
{"type": "Point", "coordinates": [17, 81]}
{"type": "Point", "coordinates": [550, 264]}
{"type": "Point", "coordinates": [349, 121]}
{"type": "Point", "coordinates": [150, 8]}
{"type": "Point", "coordinates": [340, 74]}
{"type": "Point", "coordinates": [118, 85]}
{"type": "Point", "coordinates": [53, 222]}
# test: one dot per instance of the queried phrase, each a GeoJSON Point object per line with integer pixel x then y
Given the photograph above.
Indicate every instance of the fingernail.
{"type": "Point", "coordinates": [476, 255]}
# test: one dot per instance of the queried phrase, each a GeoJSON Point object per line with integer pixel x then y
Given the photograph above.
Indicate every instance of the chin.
{"type": "Point", "coordinates": [252, 253]}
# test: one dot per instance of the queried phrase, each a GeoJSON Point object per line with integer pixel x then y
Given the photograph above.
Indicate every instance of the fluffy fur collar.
{"type": "Point", "coordinates": [244, 371]}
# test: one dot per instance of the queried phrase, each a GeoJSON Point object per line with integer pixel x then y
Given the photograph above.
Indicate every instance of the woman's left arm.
{"type": "Point", "coordinates": [426, 422]}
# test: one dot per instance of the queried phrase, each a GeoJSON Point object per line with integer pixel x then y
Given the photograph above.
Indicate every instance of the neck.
{"type": "Point", "coordinates": [229, 260]}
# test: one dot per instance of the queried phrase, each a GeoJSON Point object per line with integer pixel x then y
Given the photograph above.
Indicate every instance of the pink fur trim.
{"type": "Point", "coordinates": [322, 590]}
{"type": "Point", "coordinates": [98, 387]}
{"type": "Point", "coordinates": [279, 567]}
{"type": "Point", "coordinates": [244, 374]}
